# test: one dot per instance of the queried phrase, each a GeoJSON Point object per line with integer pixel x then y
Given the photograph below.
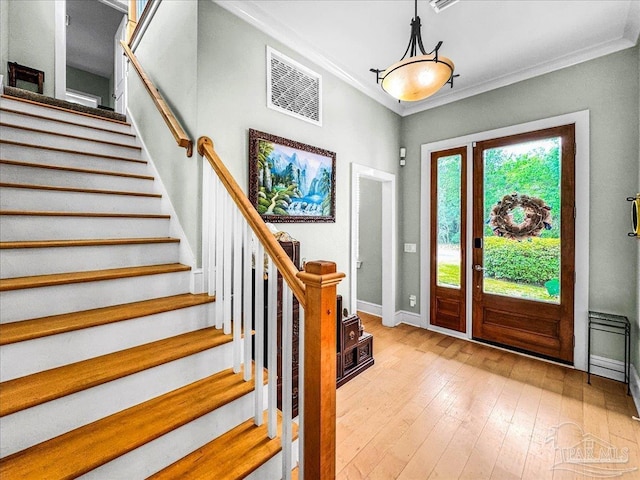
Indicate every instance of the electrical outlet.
{"type": "Point", "coordinates": [412, 300]}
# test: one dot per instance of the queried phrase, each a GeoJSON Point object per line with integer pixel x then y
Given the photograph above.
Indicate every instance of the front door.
{"type": "Point", "coordinates": [523, 242]}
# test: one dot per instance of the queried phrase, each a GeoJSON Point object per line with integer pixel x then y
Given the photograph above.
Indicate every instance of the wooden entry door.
{"type": "Point", "coordinates": [448, 238]}
{"type": "Point", "coordinates": [523, 286]}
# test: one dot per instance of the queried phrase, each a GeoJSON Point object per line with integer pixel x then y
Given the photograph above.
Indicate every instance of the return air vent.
{"type": "Point", "coordinates": [293, 88]}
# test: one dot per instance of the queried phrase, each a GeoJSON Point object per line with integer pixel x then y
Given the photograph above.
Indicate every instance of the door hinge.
{"type": "Point", "coordinates": [575, 212]}
{"type": "Point", "coordinates": [574, 341]}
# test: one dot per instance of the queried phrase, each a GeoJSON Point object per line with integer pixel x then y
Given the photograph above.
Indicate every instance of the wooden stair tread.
{"type": "Point", "coordinates": [233, 455]}
{"type": "Point", "coordinates": [90, 276]}
{"type": "Point", "coordinates": [67, 322]}
{"type": "Point", "coordinates": [74, 169]}
{"type": "Point", "coordinates": [78, 190]}
{"type": "Point", "coordinates": [68, 150]}
{"type": "Point", "coordinates": [86, 243]}
{"type": "Point", "coordinates": [41, 387]}
{"type": "Point", "coordinates": [66, 135]}
{"type": "Point", "coordinates": [67, 122]}
{"type": "Point", "coordinates": [34, 213]}
{"type": "Point", "coordinates": [85, 448]}
{"type": "Point", "coordinates": [60, 108]}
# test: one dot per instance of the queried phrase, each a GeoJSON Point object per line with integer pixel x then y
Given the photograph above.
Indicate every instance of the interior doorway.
{"type": "Point", "coordinates": [86, 51]}
{"type": "Point", "coordinates": [387, 182]}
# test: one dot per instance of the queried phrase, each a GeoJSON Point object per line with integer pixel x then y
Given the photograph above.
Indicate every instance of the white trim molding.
{"type": "Point", "coordinates": [370, 308]}
{"type": "Point", "coordinates": [581, 297]}
{"type": "Point", "coordinates": [634, 384]}
{"type": "Point", "coordinates": [388, 237]}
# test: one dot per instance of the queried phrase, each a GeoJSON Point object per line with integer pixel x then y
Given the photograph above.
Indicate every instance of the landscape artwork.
{"type": "Point", "coordinates": [290, 182]}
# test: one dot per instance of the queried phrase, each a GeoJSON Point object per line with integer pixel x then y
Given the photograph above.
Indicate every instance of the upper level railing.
{"type": "Point", "coordinates": [181, 137]}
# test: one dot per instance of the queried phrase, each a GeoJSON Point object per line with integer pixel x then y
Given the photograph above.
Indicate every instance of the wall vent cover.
{"type": "Point", "coordinates": [293, 88]}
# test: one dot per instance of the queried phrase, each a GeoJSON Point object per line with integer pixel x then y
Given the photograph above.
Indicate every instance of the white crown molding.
{"type": "Point", "coordinates": [252, 13]}
{"type": "Point", "coordinates": [534, 71]}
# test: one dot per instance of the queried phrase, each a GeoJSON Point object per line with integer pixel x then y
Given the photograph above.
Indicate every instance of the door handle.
{"type": "Point", "coordinates": [479, 268]}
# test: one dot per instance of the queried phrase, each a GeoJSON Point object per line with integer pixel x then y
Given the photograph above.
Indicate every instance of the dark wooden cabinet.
{"type": "Point", "coordinates": [354, 347]}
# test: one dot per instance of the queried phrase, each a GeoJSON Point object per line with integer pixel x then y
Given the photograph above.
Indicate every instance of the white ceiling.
{"type": "Point", "coordinates": [90, 35]}
{"type": "Point", "coordinates": [492, 42]}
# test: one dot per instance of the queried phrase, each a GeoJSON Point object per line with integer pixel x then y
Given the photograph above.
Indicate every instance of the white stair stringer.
{"type": "Point", "coordinates": [44, 156]}
{"type": "Point", "coordinates": [41, 121]}
{"type": "Point", "coordinates": [56, 113]}
{"type": "Point", "coordinates": [165, 450]}
{"type": "Point", "coordinates": [24, 358]}
{"type": "Point", "coordinates": [70, 199]}
{"type": "Point", "coordinates": [42, 422]}
{"type": "Point", "coordinates": [45, 261]}
{"type": "Point", "coordinates": [23, 304]}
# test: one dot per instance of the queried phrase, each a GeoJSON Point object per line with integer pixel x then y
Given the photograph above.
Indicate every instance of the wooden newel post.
{"type": "Point", "coordinates": [321, 280]}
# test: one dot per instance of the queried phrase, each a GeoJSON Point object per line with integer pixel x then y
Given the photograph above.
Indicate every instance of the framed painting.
{"type": "Point", "coordinates": [291, 182]}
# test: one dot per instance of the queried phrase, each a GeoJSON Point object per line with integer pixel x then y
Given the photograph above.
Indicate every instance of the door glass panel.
{"type": "Point", "coordinates": [521, 254]}
{"type": "Point", "coordinates": [449, 191]}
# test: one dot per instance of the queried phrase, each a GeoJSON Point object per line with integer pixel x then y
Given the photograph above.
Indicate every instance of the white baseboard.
{"type": "Point", "coordinates": [608, 368]}
{"type": "Point", "coordinates": [409, 318]}
{"type": "Point", "coordinates": [370, 308]}
{"type": "Point", "coordinates": [635, 387]}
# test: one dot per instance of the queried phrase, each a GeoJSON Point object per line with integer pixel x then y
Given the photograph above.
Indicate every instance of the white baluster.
{"type": "Point", "coordinates": [272, 360]}
{"type": "Point", "coordinates": [237, 290]}
{"type": "Point", "coordinates": [287, 379]}
{"type": "Point", "coordinates": [207, 227]}
{"type": "Point", "coordinates": [247, 296]}
{"type": "Point", "coordinates": [219, 252]}
{"type": "Point", "coordinates": [260, 330]}
{"type": "Point", "coordinates": [227, 272]}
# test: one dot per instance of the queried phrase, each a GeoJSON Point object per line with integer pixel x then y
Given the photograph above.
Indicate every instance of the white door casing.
{"type": "Point", "coordinates": [120, 69]}
{"type": "Point", "coordinates": [388, 237]}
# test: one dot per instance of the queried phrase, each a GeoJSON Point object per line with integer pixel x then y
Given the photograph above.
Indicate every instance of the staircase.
{"type": "Point", "coordinates": [110, 367]}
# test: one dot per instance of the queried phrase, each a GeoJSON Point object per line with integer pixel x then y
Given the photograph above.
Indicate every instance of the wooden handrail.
{"type": "Point", "coordinates": [182, 139]}
{"type": "Point", "coordinates": [286, 267]}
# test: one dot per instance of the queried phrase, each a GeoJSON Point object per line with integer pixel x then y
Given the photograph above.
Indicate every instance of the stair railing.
{"type": "Point", "coordinates": [239, 252]}
{"type": "Point", "coordinates": [181, 137]}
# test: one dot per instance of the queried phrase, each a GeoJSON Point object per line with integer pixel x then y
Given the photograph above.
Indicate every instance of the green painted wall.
{"type": "Point", "coordinates": [90, 83]}
{"type": "Point", "coordinates": [613, 169]}
{"type": "Point", "coordinates": [232, 99]}
{"type": "Point", "coordinates": [4, 39]}
{"type": "Point", "coordinates": [31, 37]}
{"type": "Point", "coordinates": [168, 53]}
{"type": "Point", "coordinates": [370, 228]}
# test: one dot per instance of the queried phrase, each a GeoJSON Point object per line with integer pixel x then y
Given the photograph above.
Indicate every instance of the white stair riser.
{"type": "Point", "coordinates": [21, 227]}
{"type": "Point", "coordinates": [24, 358]}
{"type": "Point", "coordinates": [165, 450]}
{"type": "Point", "coordinates": [57, 201]}
{"type": "Point", "coordinates": [61, 178]}
{"type": "Point", "coordinates": [80, 130]}
{"type": "Point", "coordinates": [64, 115]}
{"type": "Point", "coordinates": [272, 469]}
{"type": "Point", "coordinates": [75, 160]}
{"type": "Point", "coordinates": [24, 262]}
{"type": "Point", "coordinates": [57, 141]}
{"type": "Point", "coordinates": [42, 422]}
{"type": "Point", "coordinates": [29, 303]}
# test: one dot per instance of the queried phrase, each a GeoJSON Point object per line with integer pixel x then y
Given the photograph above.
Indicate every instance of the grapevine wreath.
{"type": "Point", "coordinates": [537, 216]}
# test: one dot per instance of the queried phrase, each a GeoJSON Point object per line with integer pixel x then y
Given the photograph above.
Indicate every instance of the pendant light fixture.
{"type": "Point", "coordinates": [416, 77]}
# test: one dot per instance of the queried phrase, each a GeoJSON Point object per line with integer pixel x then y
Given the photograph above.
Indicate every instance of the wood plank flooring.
{"type": "Point", "coordinates": [435, 407]}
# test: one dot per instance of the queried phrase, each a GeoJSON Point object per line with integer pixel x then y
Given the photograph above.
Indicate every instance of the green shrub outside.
{"type": "Point", "coordinates": [532, 261]}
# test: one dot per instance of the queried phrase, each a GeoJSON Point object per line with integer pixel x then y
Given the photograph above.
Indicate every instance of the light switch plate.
{"type": "Point", "coordinates": [410, 247]}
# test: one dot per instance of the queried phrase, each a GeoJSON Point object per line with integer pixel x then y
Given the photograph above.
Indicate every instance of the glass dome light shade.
{"type": "Point", "coordinates": [416, 78]}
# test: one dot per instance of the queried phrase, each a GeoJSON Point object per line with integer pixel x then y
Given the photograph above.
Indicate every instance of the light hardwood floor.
{"type": "Point", "coordinates": [437, 407]}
